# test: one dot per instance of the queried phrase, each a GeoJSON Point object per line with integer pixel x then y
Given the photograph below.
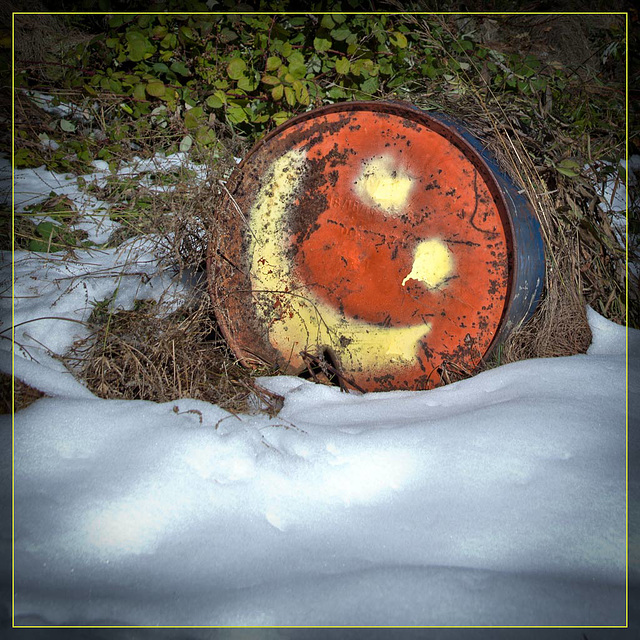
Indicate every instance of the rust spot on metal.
{"type": "Point", "coordinates": [392, 262]}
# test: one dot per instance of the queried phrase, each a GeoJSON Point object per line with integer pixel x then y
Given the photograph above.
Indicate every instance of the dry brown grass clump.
{"type": "Point", "coordinates": [41, 39]}
{"type": "Point", "coordinates": [141, 354]}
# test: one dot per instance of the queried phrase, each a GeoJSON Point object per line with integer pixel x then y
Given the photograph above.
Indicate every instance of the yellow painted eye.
{"type": "Point", "coordinates": [383, 185]}
{"type": "Point", "coordinates": [432, 264]}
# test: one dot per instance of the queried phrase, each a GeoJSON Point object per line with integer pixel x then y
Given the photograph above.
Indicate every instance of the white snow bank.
{"type": "Point", "coordinates": [33, 186]}
{"type": "Point", "coordinates": [499, 500]}
{"type": "Point", "coordinates": [55, 294]}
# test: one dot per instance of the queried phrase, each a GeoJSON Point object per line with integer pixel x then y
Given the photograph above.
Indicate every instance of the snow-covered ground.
{"type": "Point", "coordinates": [496, 501]}
{"type": "Point", "coordinates": [499, 500]}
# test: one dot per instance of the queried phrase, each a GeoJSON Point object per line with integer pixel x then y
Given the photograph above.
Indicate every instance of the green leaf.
{"type": "Point", "coordinates": [399, 39]}
{"type": "Point", "coordinates": [569, 168]}
{"type": "Point", "coordinates": [370, 85]}
{"type": "Point", "coordinates": [290, 96]}
{"type": "Point", "coordinates": [26, 158]}
{"type": "Point", "coordinates": [170, 42]}
{"type": "Point", "coordinates": [298, 21]}
{"type": "Point", "coordinates": [342, 66]}
{"type": "Point", "coordinates": [67, 125]}
{"type": "Point", "coordinates": [139, 91]}
{"type": "Point", "coordinates": [356, 66]}
{"type": "Point", "coordinates": [314, 64]}
{"type": "Point", "coordinates": [236, 68]}
{"type": "Point", "coordinates": [137, 51]}
{"type": "Point", "coordinates": [45, 229]}
{"type": "Point", "coordinates": [370, 67]}
{"type": "Point", "coordinates": [270, 80]}
{"type": "Point", "coordinates": [538, 83]}
{"type": "Point", "coordinates": [297, 69]}
{"type": "Point", "coordinates": [139, 47]}
{"type": "Point", "coordinates": [159, 31]}
{"type": "Point", "coordinates": [286, 49]}
{"type": "Point", "coordinates": [302, 93]}
{"type": "Point", "coordinates": [193, 117]}
{"type": "Point", "coordinates": [321, 44]}
{"type": "Point", "coordinates": [296, 56]}
{"type": "Point", "coordinates": [227, 35]}
{"type": "Point", "coordinates": [340, 34]}
{"type": "Point", "coordinates": [280, 117]}
{"type": "Point", "coordinates": [277, 92]}
{"type": "Point", "coordinates": [236, 114]}
{"type": "Point", "coordinates": [247, 84]}
{"type": "Point", "coordinates": [205, 135]}
{"type": "Point", "coordinates": [327, 22]}
{"type": "Point", "coordinates": [387, 69]}
{"type": "Point", "coordinates": [156, 89]}
{"type": "Point", "coordinates": [42, 247]}
{"type": "Point", "coordinates": [180, 68]}
{"type": "Point", "coordinates": [186, 143]}
{"type": "Point", "coordinates": [215, 101]}
{"type": "Point", "coordinates": [188, 33]}
{"type": "Point", "coordinates": [336, 93]}
{"type": "Point", "coordinates": [273, 62]}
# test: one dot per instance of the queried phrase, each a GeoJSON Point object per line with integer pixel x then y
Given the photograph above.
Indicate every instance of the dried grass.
{"type": "Point", "coordinates": [23, 395]}
{"type": "Point", "coordinates": [41, 40]}
{"type": "Point", "coordinates": [141, 354]}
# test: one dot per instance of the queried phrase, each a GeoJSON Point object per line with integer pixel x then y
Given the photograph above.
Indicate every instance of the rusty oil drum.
{"type": "Point", "coordinates": [377, 234]}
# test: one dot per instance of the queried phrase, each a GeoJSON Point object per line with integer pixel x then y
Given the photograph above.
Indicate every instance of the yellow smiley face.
{"type": "Point", "coordinates": [301, 321]}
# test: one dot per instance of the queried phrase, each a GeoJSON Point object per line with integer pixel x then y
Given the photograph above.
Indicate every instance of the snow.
{"type": "Point", "coordinates": [45, 101]}
{"type": "Point", "coordinates": [498, 500]}
{"type": "Point", "coordinates": [613, 193]}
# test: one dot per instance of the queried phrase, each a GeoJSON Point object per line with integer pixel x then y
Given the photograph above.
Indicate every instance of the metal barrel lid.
{"type": "Point", "coordinates": [376, 234]}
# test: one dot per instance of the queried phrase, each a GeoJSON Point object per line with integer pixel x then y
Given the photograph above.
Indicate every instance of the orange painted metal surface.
{"type": "Point", "coordinates": [369, 232]}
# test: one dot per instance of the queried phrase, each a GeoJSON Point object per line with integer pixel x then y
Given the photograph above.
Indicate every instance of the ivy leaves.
{"type": "Point", "coordinates": [251, 71]}
{"type": "Point", "coordinates": [255, 71]}
{"type": "Point", "coordinates": [288, 79]}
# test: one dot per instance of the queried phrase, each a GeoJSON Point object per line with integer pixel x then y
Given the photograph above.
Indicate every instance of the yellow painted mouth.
{"type": "Point", "coordinates": [296, 319]}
